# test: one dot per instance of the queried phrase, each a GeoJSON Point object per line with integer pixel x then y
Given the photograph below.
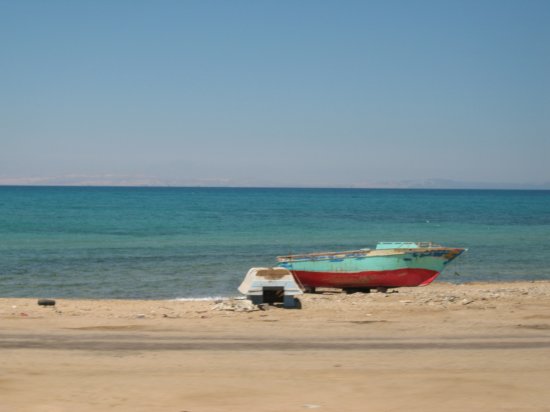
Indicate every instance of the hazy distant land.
{"type": "Point", "coordinates": [136, 181]}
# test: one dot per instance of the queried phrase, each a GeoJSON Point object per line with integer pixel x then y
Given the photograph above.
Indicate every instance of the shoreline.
{"type": "Point", "coordinates": [478, 346]}
{"type": "Point", "coordinates": [435, 284]}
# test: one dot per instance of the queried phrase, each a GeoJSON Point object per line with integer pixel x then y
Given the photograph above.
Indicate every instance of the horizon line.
{"type": "Point", "coordinates": [519, 188]}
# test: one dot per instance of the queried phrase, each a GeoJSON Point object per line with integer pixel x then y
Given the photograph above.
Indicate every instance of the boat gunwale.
{"type": "Point", "coordinates": [361, 253]}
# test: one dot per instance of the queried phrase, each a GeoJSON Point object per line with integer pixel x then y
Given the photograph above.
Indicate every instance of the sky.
{"type": "Point", "coordinates": [275, 93]}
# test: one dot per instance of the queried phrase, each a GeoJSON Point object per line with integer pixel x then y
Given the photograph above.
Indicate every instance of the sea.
{"type": "Point", "coordinates": [198, 243]}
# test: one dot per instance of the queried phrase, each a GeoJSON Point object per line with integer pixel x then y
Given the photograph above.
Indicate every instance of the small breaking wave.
{"type": "Point", "coordinates": [208, 298]}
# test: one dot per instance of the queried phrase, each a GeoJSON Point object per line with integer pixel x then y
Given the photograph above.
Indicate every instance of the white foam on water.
{"type": "Point", "coordinates": [208, 298]}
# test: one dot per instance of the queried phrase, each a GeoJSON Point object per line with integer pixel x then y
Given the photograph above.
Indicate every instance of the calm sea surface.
{"type": "Point", "coordinates": [200, 242]}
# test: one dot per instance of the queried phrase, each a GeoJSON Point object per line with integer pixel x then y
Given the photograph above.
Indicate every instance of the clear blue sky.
{"type": "Point", "coordinates": [321, 93]}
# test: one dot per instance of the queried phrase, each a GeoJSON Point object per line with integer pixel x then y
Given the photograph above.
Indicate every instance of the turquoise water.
{"type": "Point", "coordinates": [196, 242]}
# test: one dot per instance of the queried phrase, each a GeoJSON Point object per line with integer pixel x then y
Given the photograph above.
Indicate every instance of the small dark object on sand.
{"type": "Point", "coordinates": [46, 302]}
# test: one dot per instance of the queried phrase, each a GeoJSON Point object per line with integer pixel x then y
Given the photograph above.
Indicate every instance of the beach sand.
{"type": "Point", "coordinates": [481, 347]}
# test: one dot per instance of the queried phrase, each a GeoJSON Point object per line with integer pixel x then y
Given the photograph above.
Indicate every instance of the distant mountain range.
{"type": "Point", "coordinates": [452, 184]}
{"type": "Point", "coordinates": [118, 180]}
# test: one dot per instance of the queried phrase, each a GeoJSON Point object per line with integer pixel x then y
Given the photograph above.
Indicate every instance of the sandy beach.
{"type": "Point", "coordinates": [483, 346]}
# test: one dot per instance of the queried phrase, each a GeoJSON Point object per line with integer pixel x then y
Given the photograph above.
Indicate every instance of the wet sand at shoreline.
{"type": "Point", "coordinates": [483, 346]}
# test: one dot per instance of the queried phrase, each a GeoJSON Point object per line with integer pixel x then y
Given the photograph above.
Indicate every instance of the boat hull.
{"type": "Point", "coordinates": [366, 279]}
{"type": "Point", "coordinates": [370, 268]}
